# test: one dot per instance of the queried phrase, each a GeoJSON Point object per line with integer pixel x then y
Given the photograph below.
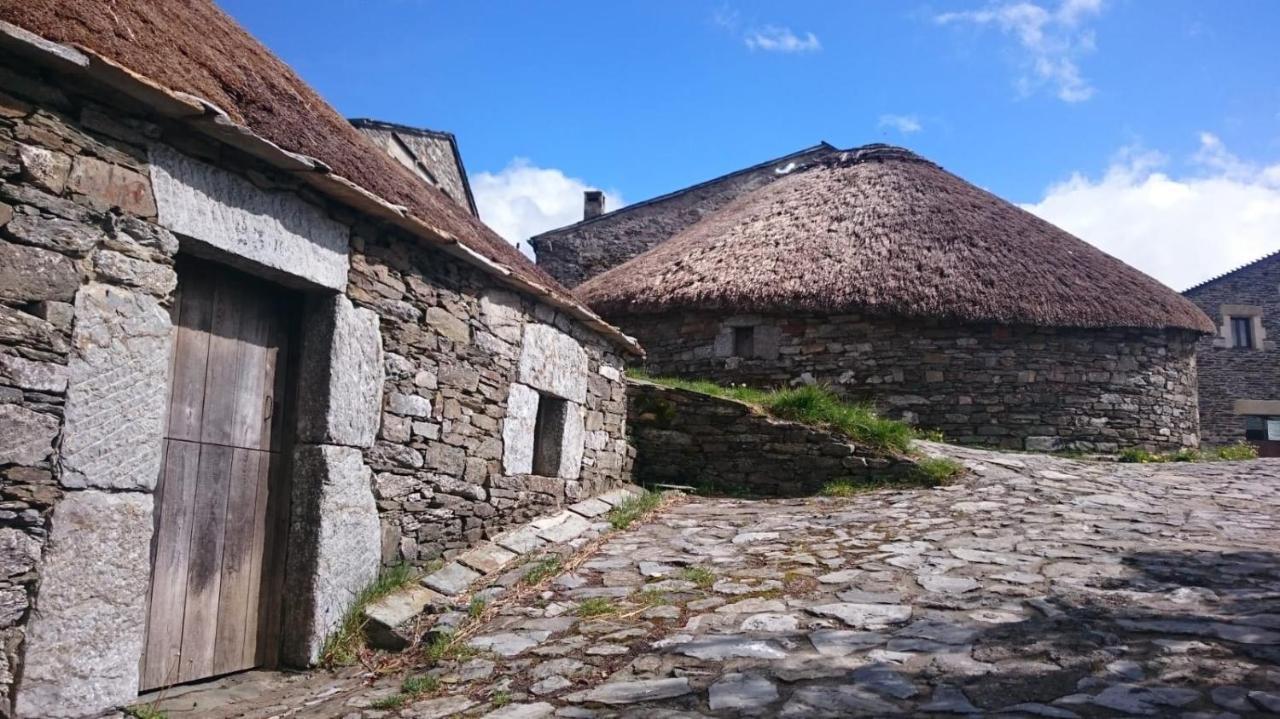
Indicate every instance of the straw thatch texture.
{"type": "Point", "coordinates": [881, 230]}
{"type": "Point", "coordinates": [191, 46]}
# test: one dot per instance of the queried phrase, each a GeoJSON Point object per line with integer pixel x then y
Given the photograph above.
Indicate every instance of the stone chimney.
{"type": "Point", "coordinates": [592, 204]}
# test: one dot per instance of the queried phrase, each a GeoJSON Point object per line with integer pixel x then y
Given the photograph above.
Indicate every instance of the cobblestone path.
{"type": "Point", "coordinates": [1036, 586]}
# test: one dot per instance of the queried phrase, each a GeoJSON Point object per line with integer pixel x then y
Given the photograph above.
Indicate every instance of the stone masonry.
{"type": "Point", "coordinates": [407, 375]}
{"type": "Point", "coordinates": [1017, 387]}
{"type": "Point", "coordinates": [84, 348]}
{"type": "Point", "coordinates": [1229, 374]}
{"type": "Point", "coordinates": [580, 251]}
{"type": "Point", "coordinates": [689, 438]}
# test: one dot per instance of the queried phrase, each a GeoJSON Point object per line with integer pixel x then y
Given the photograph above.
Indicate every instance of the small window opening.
{"type": "Point", "coordinates": [744, 341]}
{"type": "Point", "coordinates": [1259, 428]}
{"type": "Point", "coordinates": [548, 435]}
{"type": "Point", "coordinates": [1242, 332]}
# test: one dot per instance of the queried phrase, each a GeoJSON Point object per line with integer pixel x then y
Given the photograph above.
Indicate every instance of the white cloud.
{"type": "Point", "coordinates": [523, 200]}
{"type": "Point", "coordinates": [1052, 41]}
{"type": "Point", "coordinates": [1180, 230]}
{"type": "Point", "coordinates": [905, 124]}
{"type": "Point", "coordinates": [772, 38]}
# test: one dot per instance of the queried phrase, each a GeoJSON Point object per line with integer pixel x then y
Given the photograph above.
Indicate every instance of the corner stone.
{"type": "Point", "coordinates": [342, 364]}
{"type": "Point", "coordinates": [335, 545]}
{"type": "Point", "coordinates": [86, 633]}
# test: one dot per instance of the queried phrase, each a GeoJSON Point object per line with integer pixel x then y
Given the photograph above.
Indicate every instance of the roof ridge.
{"type": "Point", "coordinates": [822, 145]}
{"type": "Point", "coordinates": [383, 124]}
{"type": "Point", "coordinates": [1228, 273]}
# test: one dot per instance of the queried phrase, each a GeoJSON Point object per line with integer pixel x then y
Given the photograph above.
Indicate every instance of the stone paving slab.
{"type": "Point", "coordinates": [1034, 587]}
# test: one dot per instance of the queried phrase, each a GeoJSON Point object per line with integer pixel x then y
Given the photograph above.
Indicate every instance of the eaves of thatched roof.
{"type": "Point", "coordinates": [883, 231]}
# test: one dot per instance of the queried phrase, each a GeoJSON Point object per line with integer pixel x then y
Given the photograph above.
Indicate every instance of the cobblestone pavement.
{"type": "Point", "coordinates": [1036, 586]}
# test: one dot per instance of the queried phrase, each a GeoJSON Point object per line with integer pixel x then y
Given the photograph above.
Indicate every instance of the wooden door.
{"type": "Point", "coordinates": [222, 499]}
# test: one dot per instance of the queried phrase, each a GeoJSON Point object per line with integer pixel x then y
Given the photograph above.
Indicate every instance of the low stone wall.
{"type": "Point", "coordinates": [1038, 388]}
{"type": "Point", "coordinates": [690, 438]}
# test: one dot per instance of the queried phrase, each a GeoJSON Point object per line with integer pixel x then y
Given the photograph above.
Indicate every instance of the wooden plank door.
{"type": "Point", "coordinates": [222, 496]}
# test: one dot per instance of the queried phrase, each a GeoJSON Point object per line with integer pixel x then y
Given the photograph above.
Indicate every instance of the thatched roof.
{"type": "Point", "coordinates": [192, 47]}
{"type": "Point", "coordinates": [881, 230]}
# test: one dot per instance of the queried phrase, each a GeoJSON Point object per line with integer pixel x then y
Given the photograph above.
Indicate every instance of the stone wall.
{"type": "Point", "coordinates": [578, 252]}
{"type": "Point", "coordinates": [1017, 387]}
{"type": "Point", "coordinates": [408, 382]}
{"type": "Point", "coordinates": [1229, 374]}
{"type": "Point", "coordinates": [460, 355]}
{"type": "Point", "coordinates": [85, 274]}
{"type": "Point", "coordinates": [690, 438]}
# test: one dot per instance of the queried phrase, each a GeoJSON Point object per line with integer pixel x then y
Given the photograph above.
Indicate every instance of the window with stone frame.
{"type": "Point", "coordinates": [1261, 427]}
{"type": "Point", "coordinates": [744, 341]}
{"type": "Point", "coordinates": [1242, 332]}
{"type": "Point", "coordinates": [548, 434]}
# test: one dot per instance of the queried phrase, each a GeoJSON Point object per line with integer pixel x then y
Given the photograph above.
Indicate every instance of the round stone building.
{"type": "Point", "coordinates": [890, 280]}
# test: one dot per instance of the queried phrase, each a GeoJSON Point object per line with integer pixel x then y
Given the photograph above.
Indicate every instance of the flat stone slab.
{"type": "Point", "coordinates": [645, 690]}
{"type": "Point", "coordinates": [742, 692]}
{"type": "Point", "coordinates": [617, 496]}
{"type": "Point", "coordinates": [570, 527]}
{"type": "Point", "coordinates": [522, 711]}
{"type": "Point", "coordinates": [590, 508]}
{"type": "Point", "coordinates": [451, 579]}
{"type": "Point", "coordinates": [487, 558]}
{"type": "Point", "coordinates": [720, 648]}
{"type": "Point", "coordinates": [522, 540]}
{"type": "Point", "coordinates": [865, 616]}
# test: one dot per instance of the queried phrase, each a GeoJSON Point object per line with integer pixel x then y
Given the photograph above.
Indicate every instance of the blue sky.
{"type": "Point", "coordinates": [1149, 128]}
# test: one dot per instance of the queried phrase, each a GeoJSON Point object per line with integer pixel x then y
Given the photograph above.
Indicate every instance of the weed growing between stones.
{"type": "Point", "coordinates": [935, 471]}
{"type": "Point", "coordinates": [542, 569]}
{"type": "Point", "coordinates": [1229, 453]}
{"type": "Point", "coordinates": [500, 699]}
{"type": "Point", "coordinates": [700, 576]}
{"type": "Point", "coordinates": [633, 508]}
{"type": "Point", "coordinates": [412, 688]}
{"type": "Point", "coordinates": [146, 712]}
{"type": "Point", "coordinates": [476, 607]}
{"type": "Point", "coordinates": [595, 606]}
{"type": "Point", "coordinates": [342, 647]}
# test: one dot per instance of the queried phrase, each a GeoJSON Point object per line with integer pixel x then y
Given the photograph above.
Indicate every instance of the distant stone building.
{"type": "Point", "coordinates": [603, 240]}
{"type": "Point", "coordinates": [431, 155]}
{"type": "Point", "coordinates": [878, 273]}
{"type": "Point", "coordinates": [1239, 364]}
{"type": "Point", "coordinates": [246, 359]}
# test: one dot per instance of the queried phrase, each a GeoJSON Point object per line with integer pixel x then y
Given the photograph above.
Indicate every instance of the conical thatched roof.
{"type": "Point", "coordinates": [881, 230]}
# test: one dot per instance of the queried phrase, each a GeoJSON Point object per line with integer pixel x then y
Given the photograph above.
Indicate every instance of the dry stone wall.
{"type": "Point", "coordinates": [690, 438]}
{"type": "Point", "coordinates": [1016, 387]}
{"type": "Point", "coordinates": [1227, 373]}
{"type": "Point", "coordinates": [465, 363]}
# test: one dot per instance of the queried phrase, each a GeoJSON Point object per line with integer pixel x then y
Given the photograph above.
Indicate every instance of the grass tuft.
{"type": "Point", "coordinates": [1229, 453]}
{"type": "Point", "coordinates": [500, 698]}
{"type": "Point", "coordinates": [342, 646]}
{"type": "Point", "coordinates": [633, 508]}
{"type": "Point", "coordinates": [410, 689]}
{"type": "Point", "coordinates": [476, 607]}
{"type": "Point", "coordinates": [700, 576]}
{"type": "Point", "coordinates": [146, 712]}
{"type": "Point", "coordinates": [595, 606]}
{"type": "Point", "coordinates": [811, 405]}
{"type": "Point", "coordinates": [546, 567]}
{"type": "Point", "coordinates": [935, 471]}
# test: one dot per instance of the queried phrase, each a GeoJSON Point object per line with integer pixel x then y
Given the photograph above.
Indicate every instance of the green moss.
{"type": "Point", "coordinates": [633, 508]}
{"type": "Point", "coordinates": [343, 645]}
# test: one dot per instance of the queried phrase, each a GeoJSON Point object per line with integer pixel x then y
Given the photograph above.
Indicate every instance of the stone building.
{"type": "Point", "coordinates": [1239, 364]}
{"type": "Point", "coordinates": [603, 240]}
{"type": "Point", "coordinates": [430, 154]}
{"type": "Point", "coordinates": [245, 358]}
{"type": "Point", "coordinates": [895, 282]}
